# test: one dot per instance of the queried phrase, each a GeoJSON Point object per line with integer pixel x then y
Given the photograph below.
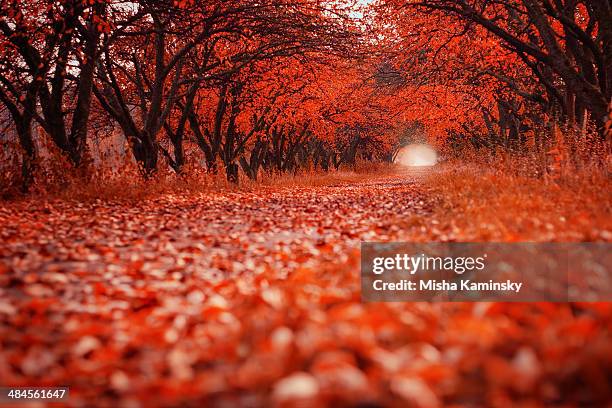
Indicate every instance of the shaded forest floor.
{"type": "Point", "coordinates": [253, 298]}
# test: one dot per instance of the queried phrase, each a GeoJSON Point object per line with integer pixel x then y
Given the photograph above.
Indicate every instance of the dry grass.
{"type": "Point", "coordinates": [321, 178]}
{"type": "Point", "coordinates": [58, 181]}
{"type": "Point", "coordinates": [558, 189]}
{"type": "Point", "coordinates": [488, 203]}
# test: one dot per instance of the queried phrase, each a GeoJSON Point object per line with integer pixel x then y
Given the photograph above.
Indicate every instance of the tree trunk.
{"type": "Point", "coordinates": [145, 152]}
{"type": "Point", "coordinates": [80, 118]}
{"type": "Point", "coordinates": [24, 132]}
{"type": "Point", "coordinates": [231, 171]}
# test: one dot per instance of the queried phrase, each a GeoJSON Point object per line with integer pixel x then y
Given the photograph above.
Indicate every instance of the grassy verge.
{"type": "Point", "coordinates": [130, 186]}
{"type": "Point", "coordinates": [477, 203]}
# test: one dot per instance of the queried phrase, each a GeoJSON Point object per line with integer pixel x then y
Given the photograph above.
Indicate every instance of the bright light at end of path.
{"type": "Point", "coordinates": [416, 155]}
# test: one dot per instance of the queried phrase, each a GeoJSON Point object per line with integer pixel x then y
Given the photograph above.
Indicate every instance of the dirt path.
{"type": "Point", "coordinates": [246, 298]}
{"type": "Point", "coordinates": [213, 236]}
{"type": "Point", "coordinates": [138, 293]}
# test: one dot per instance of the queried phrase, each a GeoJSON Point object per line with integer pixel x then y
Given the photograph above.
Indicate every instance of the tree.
{"type": "Point", "coordinates": [567, 45]}
{"type": "Point", "coordinates": [47, 55]}
{"type": "Point", "coordinates": [156, 61]}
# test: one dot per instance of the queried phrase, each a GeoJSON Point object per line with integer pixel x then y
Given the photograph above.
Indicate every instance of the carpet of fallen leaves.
{"type": "Point", "coordinates": [253, 299]}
